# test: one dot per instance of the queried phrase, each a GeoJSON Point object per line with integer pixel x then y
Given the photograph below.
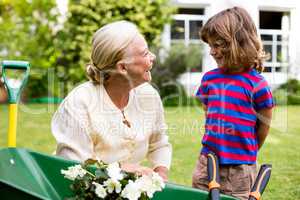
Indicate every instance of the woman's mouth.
{"type": "Point", "coordinates": [149, 69]}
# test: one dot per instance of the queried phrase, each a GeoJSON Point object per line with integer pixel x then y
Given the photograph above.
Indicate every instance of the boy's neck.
{"type": "Point", "coordinates": [234, 70]}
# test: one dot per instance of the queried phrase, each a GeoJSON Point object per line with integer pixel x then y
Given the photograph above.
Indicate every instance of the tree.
{"type": "Point", "coordinates": [28, 32]}
{"type": "Point", "coordinates": [86, 16]}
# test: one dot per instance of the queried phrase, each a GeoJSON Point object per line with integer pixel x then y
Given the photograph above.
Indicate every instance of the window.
{"type": "Point", "coordinates": [177, 31]}
{"type": "Point", "coordinates": [186, 25]}
{"type": "Point", "coordinates": [185, 29]}
{"type": "Point", "coordinates": [274, 32]}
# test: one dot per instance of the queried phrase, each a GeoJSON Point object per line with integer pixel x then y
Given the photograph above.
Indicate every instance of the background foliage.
{"type": "Point", "coordinates": [86, 16]}
{"type": "Point", "coordinates": [28, 32]}
{"type": "Point", "coordinates": [288, 93]}
{"type": "Point", "coordinates": [33, 31]}
{"type": "Point", "coordinates": [165, 73]}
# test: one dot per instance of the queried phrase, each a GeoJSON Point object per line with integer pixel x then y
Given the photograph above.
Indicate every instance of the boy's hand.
{"type": "Point", "coordinates": [263, 125]}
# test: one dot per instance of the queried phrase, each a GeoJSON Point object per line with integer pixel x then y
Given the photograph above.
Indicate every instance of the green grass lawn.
{"type": "Point", "coordinates": [282, 148]}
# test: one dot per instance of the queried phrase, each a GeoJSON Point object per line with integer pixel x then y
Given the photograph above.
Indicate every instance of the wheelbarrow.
{"type": "Point", "coordinates": [30, 175]}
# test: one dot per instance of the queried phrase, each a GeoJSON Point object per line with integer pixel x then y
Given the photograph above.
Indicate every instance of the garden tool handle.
{"type": "Point", "coordinates": [15, 64]}
{"type": "Point", "coordinates": [12, 125]}
{"type": "Point", "coordinates": [213, 176]}
{"type": "Point", "coordinates": [261, 182]}
{"type": "Point", "coordinates": [14, 93]}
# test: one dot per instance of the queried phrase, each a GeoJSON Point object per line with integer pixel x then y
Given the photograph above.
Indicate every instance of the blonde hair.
{"type": "Point", "coordinates": [235, 33]}
{"type": "Point", "coordinates": [108, 48]}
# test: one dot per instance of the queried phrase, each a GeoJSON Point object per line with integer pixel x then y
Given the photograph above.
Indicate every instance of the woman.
{"type": "Point", "coordinates": [117, 115]}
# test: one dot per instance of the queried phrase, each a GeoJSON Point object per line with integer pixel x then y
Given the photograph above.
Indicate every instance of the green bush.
{"type": "Point", "coordinates": [168, 68]}
{"type": "Point", "coordinates": [280, 96]}
{"type": "Point", "coordinates": [288, 93]}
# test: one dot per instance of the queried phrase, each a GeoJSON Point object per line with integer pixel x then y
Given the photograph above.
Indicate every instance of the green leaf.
{"type": "Point", "coordinates": [101, 174]}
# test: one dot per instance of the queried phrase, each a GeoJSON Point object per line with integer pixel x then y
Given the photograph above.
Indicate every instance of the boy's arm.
{"type": "Point", "coordinates": [204, 108]}
{"type": "Point", "coordinates": [263, 124]}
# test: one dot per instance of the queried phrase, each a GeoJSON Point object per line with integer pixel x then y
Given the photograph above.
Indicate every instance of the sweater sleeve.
{"type": "Point", "coordinates": [160, 150]}
{"type": "Point", "coordinates": [70, 129]}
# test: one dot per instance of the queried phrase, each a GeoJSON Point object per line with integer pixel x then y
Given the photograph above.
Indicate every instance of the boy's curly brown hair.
{"type": "Point", "coordinates": [235, 33]}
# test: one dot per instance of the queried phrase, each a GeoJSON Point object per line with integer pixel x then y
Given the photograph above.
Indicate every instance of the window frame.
{"type": "Point", "coordinates": [187, 18]}
{"type": "Point", "coordinates": [274, 43]}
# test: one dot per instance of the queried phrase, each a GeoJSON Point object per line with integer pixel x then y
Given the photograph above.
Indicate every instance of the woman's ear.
{"type": "Point", "coordinates": [121, 67]}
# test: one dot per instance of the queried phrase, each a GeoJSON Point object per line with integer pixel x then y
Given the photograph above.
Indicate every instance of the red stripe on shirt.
{"type": "Point", "coordinates": [227, 82]}
{"type": "Point", "coordinates": [264, 97]}
{"type": "Point", "coordinates": [235, 156]}
{"type": "Point", "coordinates": [222, 142]}
{"type": "Point", "coordinates": [230, 131]}
{"type": "Point", "coordinates": [232, 106]}
{"type": "Point", "coordinates": [238, 95]}
{"type": "Point", "coordinates": [231, 119]}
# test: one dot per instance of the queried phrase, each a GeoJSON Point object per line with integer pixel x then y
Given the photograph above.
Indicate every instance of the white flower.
{"type": "Point", "coordinates": [157, 181]}
{"type": "Point", "coordinates": [100, 191]}
{"type": "Point", "coordinates": [145, 184]}
{"type": "Point", "coordinates": [131, 191]}
{"type": "Point", "coordinates": [114, 171]}
{"type": "Point", "coordinates": [73, 172]}
{"type": "Point", "coordinates": [112, 185]}
{"type": "Point", "coordinates": [150, 184]}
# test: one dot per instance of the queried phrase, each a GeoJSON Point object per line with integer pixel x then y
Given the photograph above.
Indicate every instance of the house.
{"type": "Point", "coordinates": [277, 23]}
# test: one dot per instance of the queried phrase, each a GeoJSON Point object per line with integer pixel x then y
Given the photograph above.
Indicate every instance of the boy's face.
{"type": "Point", "coordinates": [216, 47]}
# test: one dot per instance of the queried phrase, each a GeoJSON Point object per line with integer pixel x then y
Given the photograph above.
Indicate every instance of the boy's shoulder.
{"type": "Point", "coordinates": [255, 76]}
{"type": "Point", "coordinates": [212, 72]}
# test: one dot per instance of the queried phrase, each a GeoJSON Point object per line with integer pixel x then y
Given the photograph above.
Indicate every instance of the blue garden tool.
{"type": "Point", "coordinates": [213, 176]}
{"type": "Point", "coordinates": [261, 182]}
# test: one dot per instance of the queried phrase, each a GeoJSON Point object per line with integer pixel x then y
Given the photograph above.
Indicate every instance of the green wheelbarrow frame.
{"type": "Point", "coordinates": [29, 175]}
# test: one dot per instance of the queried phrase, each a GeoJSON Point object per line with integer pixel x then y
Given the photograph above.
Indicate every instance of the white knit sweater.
{"type": "Point", "coordinates": [88, 125]}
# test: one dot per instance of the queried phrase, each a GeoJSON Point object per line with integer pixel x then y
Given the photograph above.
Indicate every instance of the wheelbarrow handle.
{"type": "Point", "coordinates": [261, 182]}
{"type": "Point", "coordinates": [213, 176]}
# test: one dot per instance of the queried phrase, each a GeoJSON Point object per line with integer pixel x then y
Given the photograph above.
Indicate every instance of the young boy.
{"type": "Point", "coordinates": [237, 102]}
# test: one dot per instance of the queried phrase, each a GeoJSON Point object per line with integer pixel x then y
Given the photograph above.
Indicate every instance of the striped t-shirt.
{"type": "Point", "coordinates": [232, 102]}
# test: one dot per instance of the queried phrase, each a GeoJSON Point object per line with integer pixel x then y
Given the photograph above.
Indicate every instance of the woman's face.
{"type": "Point", "coordinates": [140, 61]}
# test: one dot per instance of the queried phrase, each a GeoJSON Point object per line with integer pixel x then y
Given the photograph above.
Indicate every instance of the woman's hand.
{"type": "Point", "coordinates": [141, 170]}
{"type": "Point", "coordinates": [163, 172]}
{"type": "Point", "coordinates": [135, 168]}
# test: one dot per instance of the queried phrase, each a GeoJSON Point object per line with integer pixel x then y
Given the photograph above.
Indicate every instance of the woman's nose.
{"type": "Point", "coordinates": [152, 56]}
